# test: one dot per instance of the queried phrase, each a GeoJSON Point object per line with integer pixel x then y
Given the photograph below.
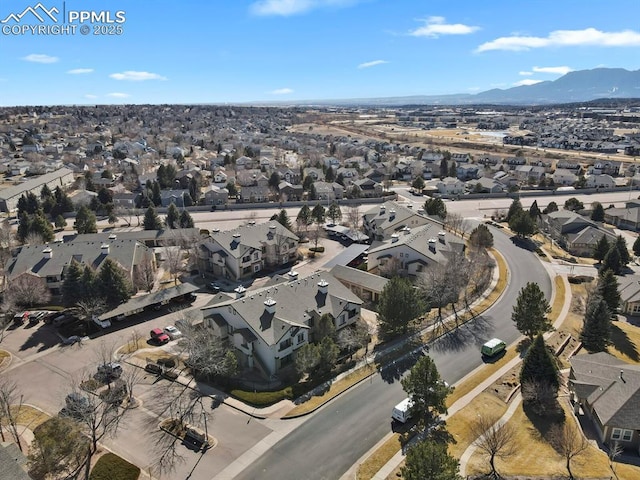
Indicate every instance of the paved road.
{"type": "Point", "coordinates": [335, 437]}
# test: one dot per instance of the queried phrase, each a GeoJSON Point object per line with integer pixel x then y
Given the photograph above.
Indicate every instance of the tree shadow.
{"type": "Point", "coordinates": [523, 346]}
{"type": "Point", "coordinates": [44, 337]}
{"type": "Point", "coordinates": [395, 369]}
{"type": "Point", "coordinates": [542, 421]}
{"type": "Point", "coordinates": [622, 343]}
{"type": "Point", "coordinates": [524, 243]}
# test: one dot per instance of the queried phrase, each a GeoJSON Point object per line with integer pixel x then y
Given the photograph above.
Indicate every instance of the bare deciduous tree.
{"type": "Point", "coordinates": [494, 439]}
{"type": "Point", "coordinates": [456, 223]}
{"type": "Point", "coordinates": [26, 291]}
{"type": "Point", "coordinates": [390, 268]}
{"type": "Point", "coordinates": [145, 277]}
{"type": "Point", "coordinates": [354, 337]}
{"type": "Point", "coordinates": [354, 217]}
{"type": "Point", "coordinates": [568, 441]}
{"type": "Point", "coordinates": [10, 407]}
{"type": "Point", "coordinates": [173, 261]}
{"type": "Point", "coordinates": [316, 234]}
{"type": "Point", "coordinates": [88, 308]}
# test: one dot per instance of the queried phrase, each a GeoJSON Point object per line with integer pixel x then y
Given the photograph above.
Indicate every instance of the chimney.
{"type": "Point", "coordinates": [293, 275]}
{"type": "Point", "coordinates": [270, 305]}
{"type": "Point", "coordinates": [441, 235]}
{"type": "Point", "coordinates": [406, 230]}
{"type": "Point", "coordinates": [113, 236]}
{"type": "Point", "coordinates": [237, 235]}
{"type": "Point", "coordinates": [104, 249]}
{"type": "Point", "coordinates": [432, 245]}
{"type": "Point", "coordinates": [240, 291]}
{"type": "Point", "coordinates": [323, 286]}
{"type": "Point", "coordinates": [392, 214]}
{"type": "Point", "coordinates": [382, 209]}
{"type": "Point", "coordinates": [47, 252]}
{"type": "Point", "coordinates": [394, 238]}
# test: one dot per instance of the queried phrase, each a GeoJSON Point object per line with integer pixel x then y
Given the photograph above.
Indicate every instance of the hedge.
{"type": "Point", "coordinates": [261, 399]}
{"type": "Point", "coordinates": [112, 467]}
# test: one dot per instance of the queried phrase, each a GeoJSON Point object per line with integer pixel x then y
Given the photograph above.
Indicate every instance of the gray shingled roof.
{"type": "Point", "coordinates": [140, 235]}
{"type": "Point", "coordinates": [236, 243]}
{"type": "Point", "coordinates": [391, 215]}
{"type": "Point", "coordinates": [629, 288]}
{"type": "Point", "coordinates": [296, 302]}
{"type": "Point", "coordinates": [611, 386]}
{"type": "Point", "coordinates": [368, 280]}
{"type": "Point", "coordinates": [31, 259]}
{"type": "Point", "coordinates": [30, 184]}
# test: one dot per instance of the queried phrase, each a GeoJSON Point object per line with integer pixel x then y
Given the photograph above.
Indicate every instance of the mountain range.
{"type": "Point", "coordinates": [576, 86]}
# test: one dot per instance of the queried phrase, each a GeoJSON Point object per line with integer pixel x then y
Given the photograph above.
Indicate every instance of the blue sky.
{"type": "Point", "coordinates": [278, 50]}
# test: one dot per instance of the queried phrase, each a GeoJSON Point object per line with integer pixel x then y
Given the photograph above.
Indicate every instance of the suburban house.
{"type": "Point", "coordinates": [368, 188]}
{"type": "Point", "coordinates": [600, 181]}
{"type": "Point", "coordinates": [564, 176]}
{"type": "Point", "coordinates": [484, 185]}
{"type": "Point", "coordinates": [48, 262]}
{"type": "Point", "coordinates": [629, 288]}
{"type": "Point", "coordinates": [9, 196]}
{"type": "Point", "coordinates": [447, 186]}
{"type": "Point", "coordinates": [125, 199]}
{"type": "Point", "coordinates": [214, 195]}
{"type": "Point", "coordinates": [607, 391]}
{"type": "Point", "coordinates": [266, 326]}
{"type": "Point", "coordinates": [177, 197]}
{"type": "Point", "coordinates": [254, 194]}
{"type": "Point", "coordinates": [381, 221]}
{"type": "Point", "coordinates": [627, 218]}
{"type": "Point", "coordinates": [467, 171]}
{"type": "Point", "coordinates": [243, 252]}
{"type": "Point", "coordinates": [328, 191]}
{"type": "Point", "coordinates": [576, 234]}
{"type": "Point", "coordinates": [289, 191]}
{"type": "Point", "coordinates": [526, 173]}
{"type": "Point", "coordinates": [150, 238]}
{"type": "Point", "coordinates": [414, 250]}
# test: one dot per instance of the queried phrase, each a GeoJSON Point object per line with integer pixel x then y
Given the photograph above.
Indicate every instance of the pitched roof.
{"type": "Point", "coordinates": [391, 214]}
{"type": "Point", "coordinates": [373, 282]}
{"type": "Point", "coordinates": [295, 303]}
{"type": "Point", "coordinates": [30, 184]}
{"type": "Point", "coordinates": [237, 242]}
{"type": "Point", "coordinates": [629, 288]}
{"type": "Point", "coordinates": [611, 386]}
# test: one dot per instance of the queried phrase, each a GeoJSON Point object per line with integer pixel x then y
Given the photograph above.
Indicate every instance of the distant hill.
{"type": "Point", "coordinates": [578, 86]}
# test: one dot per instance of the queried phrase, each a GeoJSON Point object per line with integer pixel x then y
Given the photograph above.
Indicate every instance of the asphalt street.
{"type": "Point", "coordinates": [335, 437]}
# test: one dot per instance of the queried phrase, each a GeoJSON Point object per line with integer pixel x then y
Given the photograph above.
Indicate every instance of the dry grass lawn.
{"type": "Point", "coordinates": [31, 417]}
{"type": "Point", "coordinates": [558, 299]}
{"type": "Point", "coordinates": [133, 346]}
{"type": "Point", "coordinates": [535, 457]}
{"type": "Point", "coordinates": [336, 389]}
{"type": "Point", "coordinates": [384, 453]}
{"type": "Point", "coordinates": [625, 341]}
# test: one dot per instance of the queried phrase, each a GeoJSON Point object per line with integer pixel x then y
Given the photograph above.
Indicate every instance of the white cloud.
{"type": "Point", "coordinates": [90, 96]}
{"type": "Point", "coordinates": [136, 76]}
{"type": "Point", "coordinates": [372, 64]}
{"type": "Point", "coordinates": [118, 95]}
{"type": "Point", "coordinates": [80, 71]}
{"type": "Point", "coordinates": [436, 26]}
{"type": "Point", "coordinates": [524, 74]}
{"type": "Point", "coordinates": [40, 58]}
{"type": "Point", "coordinates": [526, 82]}
{"type": "Point", "coordinates": [281, 91]}
{"type": "Point", "coordinates": [285, 8]}
{"type": "Point", "coordinates": [563, 70]}
{"type": "Point", "coordinates": [565, 38]}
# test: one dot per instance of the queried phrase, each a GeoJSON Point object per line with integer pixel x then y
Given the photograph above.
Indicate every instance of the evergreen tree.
{"type": "Point", "coordinates": [596, 329]}
{"type": "Point", "coordinates": [612, 261]}
{"type": "Point", "coordinates": [114, 283]}
{"type": "Point", "coordinates": [428, 459]}
{"type": "Point", "coordinates": [481, 237]}
{"type": "Point", "coordinates": [274, 180]}
{"type": "Point", "coordinates": [514, 209]}
{"type": "Point", "coordinates": [398, 306]}
{"type": "Point", "coordinates": [636, 247]}
{"type": "Point", "coordinates": [539, 365]}
{"type": "Point", "coordinates": [161, 176]}
{"type": "Point", "coordinates": [151, 220]}
{"type": "Point", "coordinates": [418, 184]}
{"type": "Point", "coordinates": [173, 216]}
{"type": "Point", "coordinates": [24, 226]}
{"type": "Point", "coordinates": [304, 218]}
{"type": "Point", "coordinates": [85, 221]}
{"type": "Point", "coordinates": [328, 354]}
{"type": "Point", "coordinates": [60, 222]}
{"type": "Point", "coordinates": [453, 170]}
{"type": "Point", "coordinates": [444, 168]}
{"type": "Point", "coordinates": [39, 225]}
{"type": "Point", "coordinates": [156, 196]}
{"type": "Point", "coordinates": [523, 224]}
{"type": "Point", "coordinates": [185, 220]}
{"type": "Point", "coordinates": [89, 287]}
{"type": "Point", "coordinates": [601, 248]}
{"type": "Point", "coordinates": [597, 214]}
{"type": "Point", "coordinates": [71, 285]}
{"type": "Point", "coordinates": [194, 190]}
{"type": "Point", "coordinates": [306, 183]}
{"type": "Point", "coordinates": [232, 189]}
{"type": "Point", "coordinates": [318, 213]}
{"type": "Point", "coordinates": [334, 213]}
{"type": "Point", "coordinates": [330, 175]}
{"type": "Point", "coordinates": [534, 211]}
{"type": "Point", "coordinates": [313, 194]}
{"type": "Point", "coordinates": [573, 204]}
{"type": "Point", "coordinates": [621, 246]}
{"type": "Point", "coordinates": [550, 208]}
{"type": "Point", "coordinates": [435, 207]}
{"type": "Point", "coordinates": [608, 290]}
{"type": "Point", "coordinates": [530, 311]}
{"type": "Point", "coordinates": [283, 219]}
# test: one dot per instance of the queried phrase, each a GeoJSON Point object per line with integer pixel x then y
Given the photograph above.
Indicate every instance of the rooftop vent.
{"type": "Point", "coordinates": [432, 244]}
{"type": "Point", "coordinates": [215, 230]}
{"type": "Point", "coordinates": [293, 274]}
{"type": "Point", "coordinates": [47, 252]}
{"type": "Point", "coordinates": [237, 235]}
{"type": "Point", "coordinates": [272, 227]}
{"type": "Point", "coordinates": [104, 249]}
{"type": "Point", "coordinates": [252, 222]}
{"type": "Point", "coordinates": [113, 236]}
{"type": "Point", "coordinates": [441, 236]}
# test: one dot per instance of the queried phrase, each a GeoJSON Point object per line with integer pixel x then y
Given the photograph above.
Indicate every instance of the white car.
{"type": "Point", "coordinates": [173, 332]}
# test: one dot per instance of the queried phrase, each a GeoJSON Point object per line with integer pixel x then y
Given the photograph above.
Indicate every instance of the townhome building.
{"type": "Point", "coordinates": [268, 325]}
{"type": "Point", "coordinates": [243, 252]}
{"type": "Point", "coordinates": [382, 221]}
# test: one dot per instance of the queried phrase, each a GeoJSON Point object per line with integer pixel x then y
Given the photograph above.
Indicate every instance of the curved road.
{"type": "Point", "coordinates": [336, 436]}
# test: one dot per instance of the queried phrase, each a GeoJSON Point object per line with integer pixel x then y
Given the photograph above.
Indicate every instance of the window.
{"type": "Point", "coordinates": [256, 268]}
{"type": "Point", "coordinates": [246, 259]}
{"type": "Point", "coordinates": [285, 344]}
{"type": "Point", "coordinates": [300, 338]}
{"type": "Point", "coordinates": [256, 256]}
{"type": "Point", "coordinates": [621, 434]}
{"type": "Point", "coordinates": [342, 320]}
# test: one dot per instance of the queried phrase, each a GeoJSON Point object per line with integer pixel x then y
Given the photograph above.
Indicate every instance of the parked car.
{"type": "Point", "coordinates": [158, 335]}
{"type": "Point", "coordinates": [71, 340]}
{"type": "Point", "coordinates": [493, 347]}
{"type": "Point", "coordinates": [214, 287]}
{"type": "Point", "coordinates": [173, 332]}
{"type": "Point", "coordinates": [101, 323]}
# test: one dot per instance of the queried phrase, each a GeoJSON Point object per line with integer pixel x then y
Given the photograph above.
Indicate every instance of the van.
{"type": "Point", "coordinates": [493, 347]}
{"type": "Point", "coordinates": [402, 411]}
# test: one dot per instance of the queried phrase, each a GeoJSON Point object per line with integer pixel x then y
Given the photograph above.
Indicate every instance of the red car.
{"type": "Point", "coordinates": [159, 336]}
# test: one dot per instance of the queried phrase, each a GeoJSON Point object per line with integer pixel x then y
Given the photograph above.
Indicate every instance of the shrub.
{"type": "Point", "coordinates": [577, 279]}
{"type": "Point", "coordinates": [263, 398]}
{"type": "Point", "coordinates": [317, 249]}
{"type": "Point", "coordinates": [112, 467]}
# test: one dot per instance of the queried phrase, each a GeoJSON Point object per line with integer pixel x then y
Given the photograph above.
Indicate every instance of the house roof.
{"type": "Point", "coordinates": [12, 462]}
{"type": "Point", "coordinates": [629, 288]}
{"type": "Point", "coordinates": [610, 386]}
{"type": "Point", "coordinates": [239, 241]}
{"type": "Point", "coordinates": [347, 255]}
{"type": "Point", "coordinates": [629, 214]}
{"type": "Point", "coordinates": [370, 281]}
{"type": "Point", "coordinates": [30, 259]}
{"type": "Point", "coordinates": [296, 302]}
{"type": "Point", "coordinates": [589, 236]}
{"type": "Point", "coordinates": [29, 185]}
{"type": "Point", "coordinates": [391, 214]}
{"type": "Point", "coordinates": [167, 235]}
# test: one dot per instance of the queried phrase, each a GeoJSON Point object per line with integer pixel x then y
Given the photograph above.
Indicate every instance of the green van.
{"type": "Point", "coordinates": [493, 347]}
